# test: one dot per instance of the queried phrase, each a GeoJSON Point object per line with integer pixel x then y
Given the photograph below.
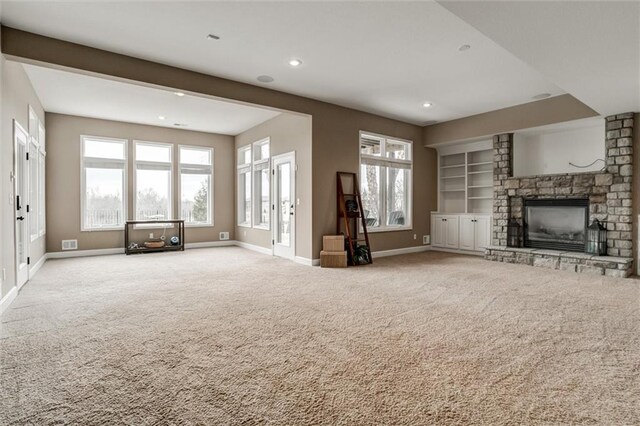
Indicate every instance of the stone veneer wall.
{"type": "Point", "coordinates": [609, 191]}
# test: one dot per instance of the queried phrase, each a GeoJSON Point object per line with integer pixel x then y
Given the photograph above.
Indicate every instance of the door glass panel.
{"type": "Point", "coordinates": [284, 201]}
{"type": "Point", "coordinates": [21, 195]}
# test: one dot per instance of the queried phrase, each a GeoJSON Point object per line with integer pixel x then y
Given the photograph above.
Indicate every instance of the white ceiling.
{"type": "Point", "coordinates": [382, 57]}
{"type": "Point", "coordinates": [589, 48]}
{"type": "Point", "coordinates": [77, 94]}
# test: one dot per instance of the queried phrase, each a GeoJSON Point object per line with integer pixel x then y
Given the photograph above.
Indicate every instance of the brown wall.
{"type": "Point", "coordinates": [335, 129]}
{"type": "Point", "coordinates": [17, 95]}
{"type": "Point", "coordinates": [287, 132]}
{"type": "Point", "coordinates": [548, 111]}
{"type": "Point", "coordinates": [63, 178]}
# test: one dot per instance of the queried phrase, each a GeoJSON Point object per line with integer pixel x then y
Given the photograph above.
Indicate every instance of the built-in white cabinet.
{"type": "Point", "coordinates": [463, 231]}
{"type": "Point", "coordinates": [445, 231]}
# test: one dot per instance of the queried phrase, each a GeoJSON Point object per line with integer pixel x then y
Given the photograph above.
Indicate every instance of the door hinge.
{"type": "Point", "coordinates": [27, 208]}
{"type": "Point", "coordinates": [28, 261]}
{"type": "Point", "coordinates": [27, 156]}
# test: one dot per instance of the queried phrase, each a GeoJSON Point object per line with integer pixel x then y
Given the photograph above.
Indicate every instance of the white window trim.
{"type": "Point", "coordinates": [171, 182]}
{"type": "Point", "coordinates": [382, 159]}
{"type": "Point", "coordinates": [206, 168]}
{"type": "Point", "coordinates": [244, 168]}
{"type": "Point", "coordinates": [254, 205]}
{"type": "Point", "coordinates": [34, 204]}
{"type": "Point", "coordinates": [42, 180]}
{"type": "Point", "coordinates": [83, 189]}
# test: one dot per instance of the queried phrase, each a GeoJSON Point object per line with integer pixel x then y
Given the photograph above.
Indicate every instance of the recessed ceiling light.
{"type": "Point", "coordinates": [295, 62]}
{"type": "Point", "coordinates": [161, 117]}
{"type": "Point", "coordinates": [212, 37]}
{"type": "Point", "coordinates": [265, 79]}
{"type": "Point", "coordinates": [542, 96]}
{"type": "Point", "coordinates": [427, 104]}
{"type": "Point", "coordinates": [464, 47]}
{"type": "Point", "coordinates": [178, 94]}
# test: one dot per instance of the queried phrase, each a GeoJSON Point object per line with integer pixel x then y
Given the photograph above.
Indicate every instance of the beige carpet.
{"type": "Point", "coordinates": [228, 336]}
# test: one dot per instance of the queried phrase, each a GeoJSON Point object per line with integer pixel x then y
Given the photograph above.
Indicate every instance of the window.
{"type": "Point", "coordinates": [244, 186]}
{"type": "Point", "coordinates": [261, 203]}
{"type": "Point", "coordinates": [385, 182]}
{"type": "Point", "coordinates": [34, 197]}
{"type": "Point", "coordinates": [153, 172]}
{"type": "Point", "coordinates": [103, 179]}
{"type": "Point", "coordinates": [196, 173]}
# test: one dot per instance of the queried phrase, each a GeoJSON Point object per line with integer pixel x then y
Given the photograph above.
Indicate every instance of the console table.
{"type": "Point", "coordinates": [154, 224]}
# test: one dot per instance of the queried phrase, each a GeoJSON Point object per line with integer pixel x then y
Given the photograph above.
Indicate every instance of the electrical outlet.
{"type": "Point", "coordinates": [415, 236]}
{"type": "Point", "coordinates": [150, 234]}
{"type": "Point", "coordinates": [224, 236]}
{"type": "Point", "coordinates": [426, 239]}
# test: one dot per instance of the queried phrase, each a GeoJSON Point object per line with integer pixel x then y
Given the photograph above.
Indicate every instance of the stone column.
{"type": "Point", "coordinates": [619, 159]}
{"type": "Point", "coordinates": [502, 170]}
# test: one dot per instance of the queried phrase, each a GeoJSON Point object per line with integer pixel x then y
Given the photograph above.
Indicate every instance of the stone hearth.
{"type": "Point", "coordinates": [609, 194]}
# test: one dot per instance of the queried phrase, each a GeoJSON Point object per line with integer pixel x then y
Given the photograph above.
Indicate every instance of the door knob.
{"type": "Point", "coordinates": [20, 218]}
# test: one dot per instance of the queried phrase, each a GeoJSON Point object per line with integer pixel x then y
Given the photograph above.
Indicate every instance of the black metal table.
{"type": "Point", "coordinates": [159, 223]}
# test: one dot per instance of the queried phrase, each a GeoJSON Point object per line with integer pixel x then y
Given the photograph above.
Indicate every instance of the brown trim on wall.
{"type": "Point", "coordinates": [533, 114]}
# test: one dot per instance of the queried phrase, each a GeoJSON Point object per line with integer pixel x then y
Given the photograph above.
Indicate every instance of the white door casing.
{"type": "Point", "coordinates": [283, 205]}
{"type": "Point", "coordinates": [21, 189]}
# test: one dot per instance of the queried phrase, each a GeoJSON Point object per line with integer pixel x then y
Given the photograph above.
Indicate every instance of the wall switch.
{"type": "Point", "coordinates": [150, 234]}
{"type": "Point", "coordinates": [298, 201]}
{"type": "Point", "coordinates": [415, 236]}
{"type": "Point", "coordinates": [426, 239]}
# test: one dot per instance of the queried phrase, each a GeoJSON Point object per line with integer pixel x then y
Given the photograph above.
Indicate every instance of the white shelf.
{"type": "Point", "coordinates": [480, 198]}
{"type": "Point", "coordinates": [452, 166]}
{"type": "Point", "coordinates": [479, 186]}
{"type": "Point", "coordinates": [452, 190]}
{"type": "Point", "coordinates": [480, 172]}
{"type": "Point", "coordinates": [484, 163]}
{"type": "Point", "coordinates": [452, 177]}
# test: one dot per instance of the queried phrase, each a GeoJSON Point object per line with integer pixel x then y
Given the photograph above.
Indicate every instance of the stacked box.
{"type": "Point", "coordinates": [333, 254]}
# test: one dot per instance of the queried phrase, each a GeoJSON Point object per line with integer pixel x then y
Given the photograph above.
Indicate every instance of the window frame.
{"type": "Point", "coordinates": [135, 163]}
{"type": "Point", "coordinates": [83, 187]}
{"type": "Point", "coordinates": [385, 163]}
{"type": "Point", "coordinates": [210, 169]}
{"type": "Point", "coordinates": [242, 168]}
{"type": "Point", "coordinates": [256, 206]}
{"type": "Point", "coordinates": [34, 188]}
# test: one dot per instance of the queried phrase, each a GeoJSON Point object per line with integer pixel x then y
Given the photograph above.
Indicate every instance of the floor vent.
{"type": "Point", "coordinates": [69, 244]}
{"type": "Point", "coordinates": [224, 236]}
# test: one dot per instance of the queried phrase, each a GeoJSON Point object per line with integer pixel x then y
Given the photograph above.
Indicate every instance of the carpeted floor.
{"type": "Point", "coordinates": [228, 336]}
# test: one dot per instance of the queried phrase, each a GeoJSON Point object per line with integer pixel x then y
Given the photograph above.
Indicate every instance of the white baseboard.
{"type": "Point", "coordinates": [396, 252]}
{"type": "Point", "coordinates": [306, 261]}
{"type": "Point", "coordinates": [467, 252]}
{"type": "Point", "coordinates": [84, 253]}
{"type": "Point", "coordinates": [253, 247]}
{"type": "Point", "coordinates": [7, 299]}
{"type": "Point", "coordinates": [33, 269]}
{"type": "Point", "coordinates": [206, 244]}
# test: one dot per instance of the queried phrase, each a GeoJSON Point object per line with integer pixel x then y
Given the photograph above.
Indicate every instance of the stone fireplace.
{"type": "Point", "coordinates": [604, 195]}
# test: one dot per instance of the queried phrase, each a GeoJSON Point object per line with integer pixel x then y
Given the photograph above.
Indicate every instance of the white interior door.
{"type": "Point", "coordinates": [21, 188]}
{"type": "Point", "coordinates": [284, 195]}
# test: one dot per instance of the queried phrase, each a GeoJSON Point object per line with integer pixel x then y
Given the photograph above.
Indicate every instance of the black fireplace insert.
{"type": "Point", "coordinates": [556, 224]}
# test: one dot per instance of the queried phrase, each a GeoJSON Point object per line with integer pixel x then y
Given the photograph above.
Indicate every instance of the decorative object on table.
{"type": "Point", "coordinates": [154, 244]}
{"type": "Point", "coordinates": [596, 239]}
{"type": "Point", "coordinates": [351, 206]}
{"type": "Point", "coordinates": [514, 234]}
{"type": "Point", "coordinates": [174, 240]}
{"type": "Point", "coordinates": [133, 246]}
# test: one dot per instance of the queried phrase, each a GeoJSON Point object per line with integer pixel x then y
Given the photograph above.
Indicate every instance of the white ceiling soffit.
{"type": "Point", "coordinates": [589, 48]}
{"type": "Point", "coordinates": [87, 96]}
{"type": "Point", "coordinates": [387, 58]}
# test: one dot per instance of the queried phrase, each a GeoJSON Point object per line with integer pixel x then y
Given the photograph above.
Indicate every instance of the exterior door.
{"type": "Point", "coordinates": [467, 232]}
{"type": "Point", "coordinates": [284, 195]}
{"type": "Point", "coordinates": [21, 189]}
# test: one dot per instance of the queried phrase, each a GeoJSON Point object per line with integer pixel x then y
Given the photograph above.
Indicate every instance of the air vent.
{"type": "Point", "coordinates": [69, 244]}
{"type": "Point", "coordinates": [224, 236]}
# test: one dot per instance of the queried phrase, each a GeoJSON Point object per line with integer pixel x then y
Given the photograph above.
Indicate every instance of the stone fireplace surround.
{"type": "Point", "coordinates": [610, 201]}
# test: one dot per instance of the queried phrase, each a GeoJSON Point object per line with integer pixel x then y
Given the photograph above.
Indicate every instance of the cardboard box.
{"type": "Point", "coordinates": [333, 243]}
{"type": "Point", "coordinates": [333, 259]}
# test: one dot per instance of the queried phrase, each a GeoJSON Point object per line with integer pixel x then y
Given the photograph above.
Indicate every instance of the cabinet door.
{"type": "Point", "coordinates": [482, 232]}
{"type": "Point", "coordinates": [452, 231]}
{"type": "Point", "coordinates": [467, 232]}
{"type": "Point", "coordinates": [438, 231]}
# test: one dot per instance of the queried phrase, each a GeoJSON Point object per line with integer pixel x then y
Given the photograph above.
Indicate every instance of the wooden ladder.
{"type": "Point", "coordinates": [358, 249]}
